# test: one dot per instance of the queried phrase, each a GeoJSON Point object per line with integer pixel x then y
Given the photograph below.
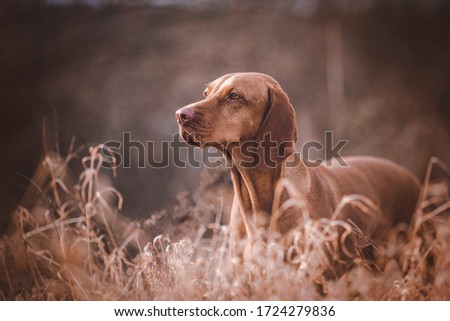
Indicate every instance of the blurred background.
{"type": "Point", "coordinates": [374, 72]}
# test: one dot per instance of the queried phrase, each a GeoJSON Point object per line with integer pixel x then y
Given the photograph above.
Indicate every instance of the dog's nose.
{"type": "Point", "coordinates": [184, 114]}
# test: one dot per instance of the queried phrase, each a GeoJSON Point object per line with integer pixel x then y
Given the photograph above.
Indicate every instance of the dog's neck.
{"type": "Point", "coordinates": [254, 186]}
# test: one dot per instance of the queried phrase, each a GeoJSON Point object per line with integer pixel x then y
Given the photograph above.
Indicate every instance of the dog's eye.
{"type": "Point", "coordinates": [205, 93]}
{"type": "Point", "coordinates": [234, 96]}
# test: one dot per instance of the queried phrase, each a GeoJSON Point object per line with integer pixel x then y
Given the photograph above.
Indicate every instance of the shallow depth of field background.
{"type": "Point", "coordinates": [376, 73]}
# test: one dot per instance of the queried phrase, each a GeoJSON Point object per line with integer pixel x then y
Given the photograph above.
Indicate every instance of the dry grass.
{"type": "Point", "coordinates": [73, 244]}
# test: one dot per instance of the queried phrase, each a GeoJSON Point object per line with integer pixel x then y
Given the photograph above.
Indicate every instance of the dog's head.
{"type": "Point", "coordinates": [240, 108]}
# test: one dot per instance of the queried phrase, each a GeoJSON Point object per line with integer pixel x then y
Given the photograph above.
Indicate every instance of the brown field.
{"type": "Point", "coordinates": [375, 73]}
{"type": "Point", "coordinates": [75, 245]}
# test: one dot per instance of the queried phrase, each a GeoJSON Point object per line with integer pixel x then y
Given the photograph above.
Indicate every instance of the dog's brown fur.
{"type": "Point", "coordinates": [243, 107]}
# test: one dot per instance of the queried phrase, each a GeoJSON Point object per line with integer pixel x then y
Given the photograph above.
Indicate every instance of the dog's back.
{"type": "Point", "coordinates": [389, 187]}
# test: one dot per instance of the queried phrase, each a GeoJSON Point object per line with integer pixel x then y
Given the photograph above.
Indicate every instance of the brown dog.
{"type": "Point", "coordinates": [249, 118]}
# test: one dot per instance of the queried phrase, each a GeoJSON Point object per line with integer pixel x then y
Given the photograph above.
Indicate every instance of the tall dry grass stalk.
{"type": "Point", "coordinates": [73, 244]}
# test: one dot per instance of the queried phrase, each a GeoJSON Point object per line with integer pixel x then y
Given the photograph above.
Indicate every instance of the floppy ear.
{"type": "Point", "coordinates": [279, 125]}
